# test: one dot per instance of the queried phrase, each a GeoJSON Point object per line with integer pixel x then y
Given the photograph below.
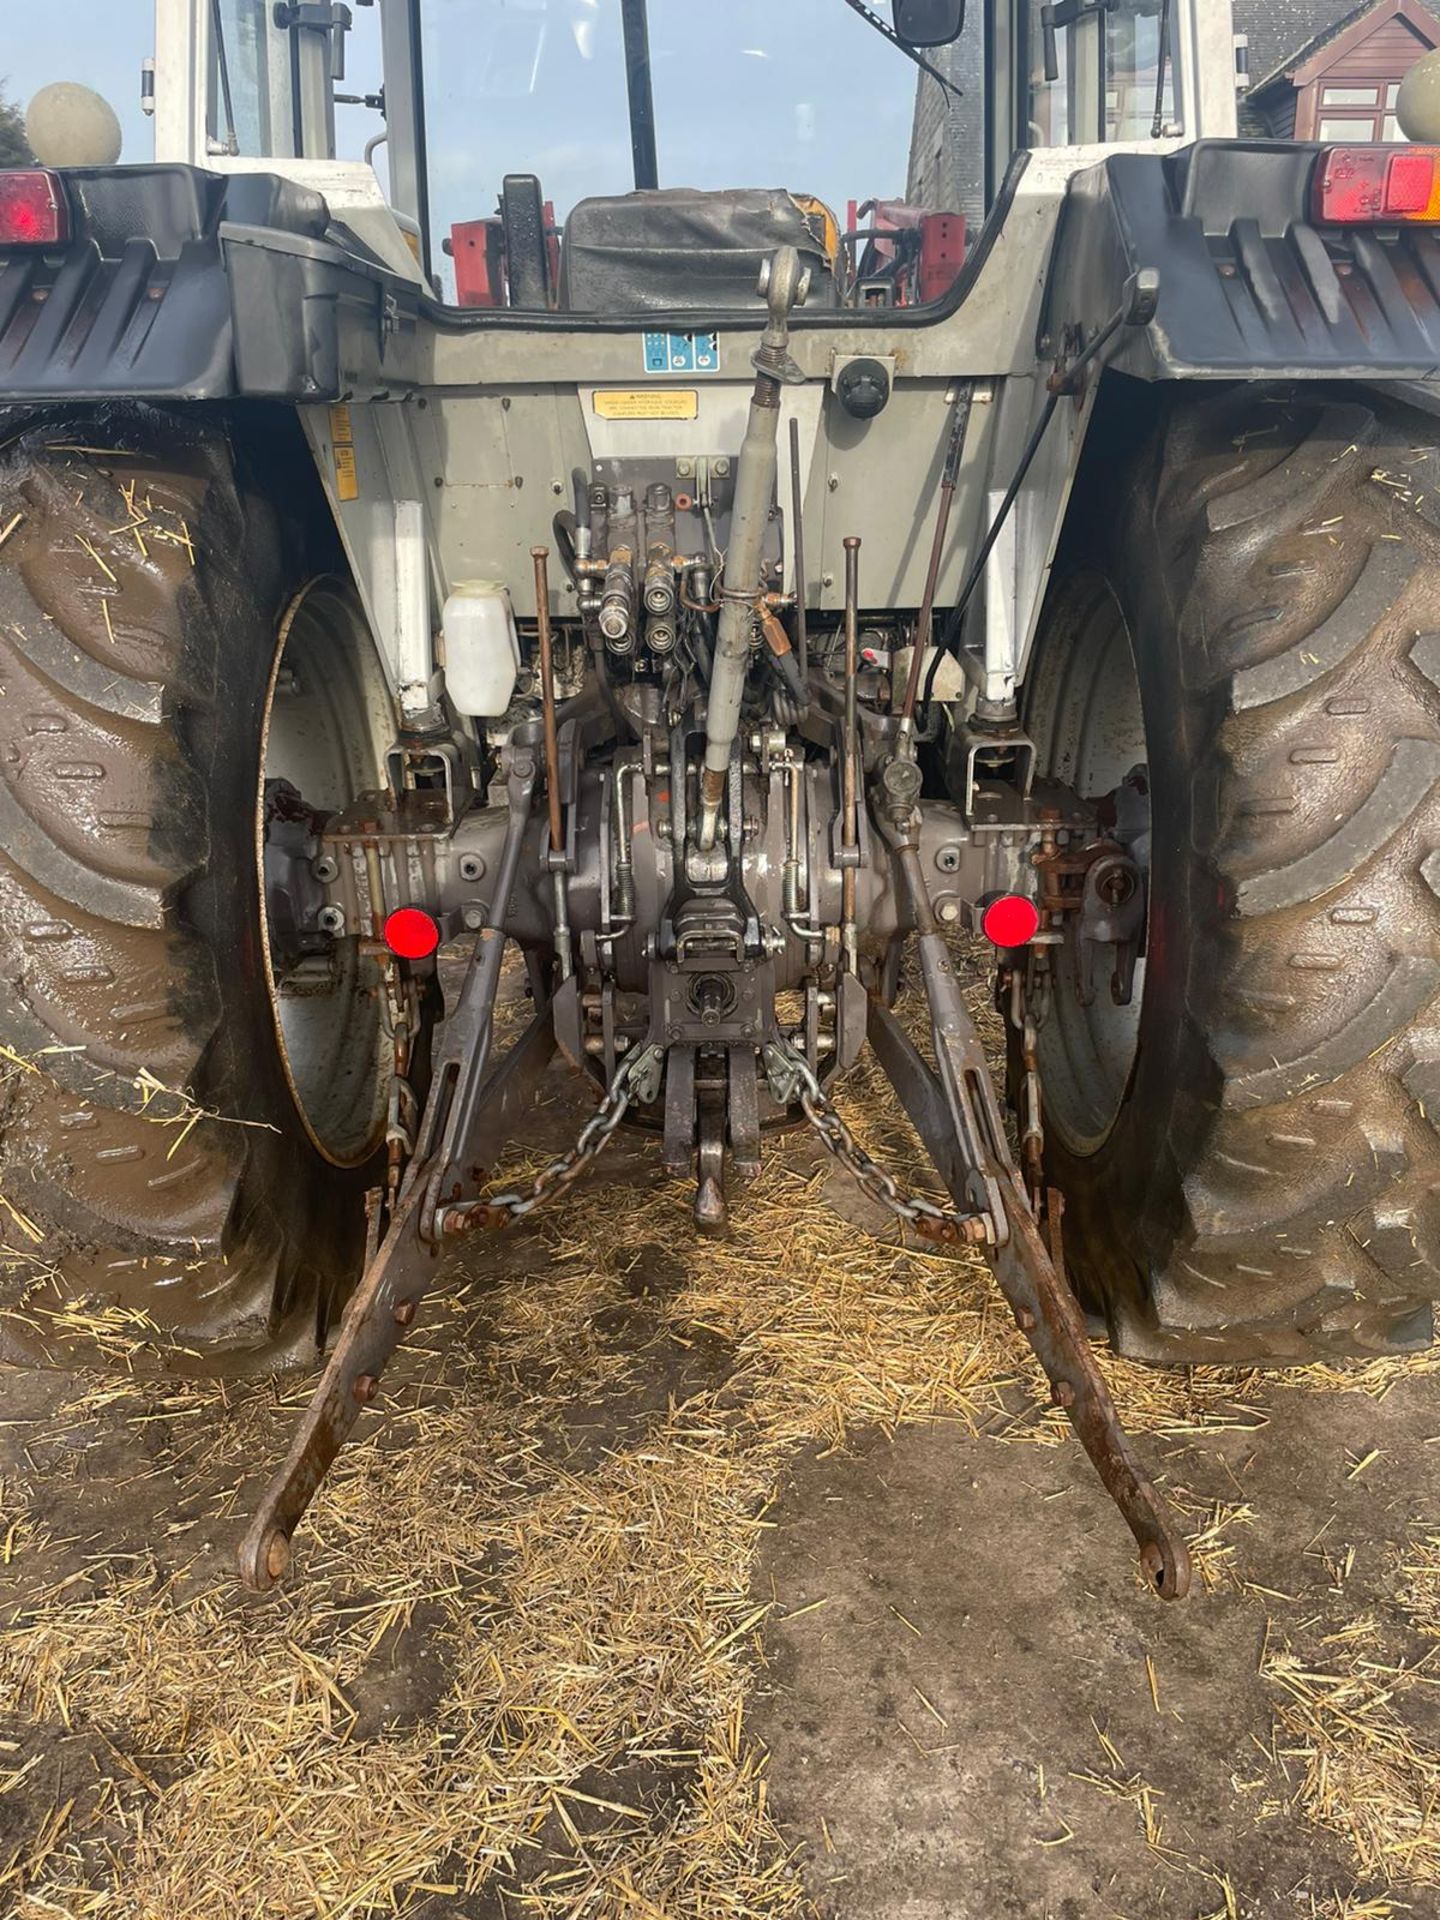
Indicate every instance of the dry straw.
{"type": "Point", "coordinates": [564, 1496]}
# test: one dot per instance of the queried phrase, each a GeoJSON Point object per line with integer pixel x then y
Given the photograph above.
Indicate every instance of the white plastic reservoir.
{"type": "Point", "coordinates": [482, 649]}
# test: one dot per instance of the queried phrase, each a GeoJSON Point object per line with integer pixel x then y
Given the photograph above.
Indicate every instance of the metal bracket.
{"type": "Point", "coordinates": [1139, 299]}
{"type": "Point", "coordinates": [972, 748]}
{"type": "Point", "coordinates": [1066, 13]}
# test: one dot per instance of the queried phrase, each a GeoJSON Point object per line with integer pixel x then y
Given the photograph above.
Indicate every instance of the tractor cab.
{"type": "Point", "coordinates": [642, 155]}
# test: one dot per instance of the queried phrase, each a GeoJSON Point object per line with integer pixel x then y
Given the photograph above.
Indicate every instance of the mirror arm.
{"type": "Point", "coordinates": [868, 14]}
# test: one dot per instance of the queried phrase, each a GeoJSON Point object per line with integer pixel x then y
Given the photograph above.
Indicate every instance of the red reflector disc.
{"type": "Point", "coordinates": [33, 210]}
{"type": "Point", "coordinates": [1010, 920]}
{"type": "Point", "coordinates": [1409, 182]}
{"type": "Point", "coordinates": [411, 934]}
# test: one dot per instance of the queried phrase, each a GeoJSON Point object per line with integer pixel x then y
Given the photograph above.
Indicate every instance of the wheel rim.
{"type": "Point", "coordinates": [326, 728]}
{"type": "Point", "coordinates": [1089, 728]}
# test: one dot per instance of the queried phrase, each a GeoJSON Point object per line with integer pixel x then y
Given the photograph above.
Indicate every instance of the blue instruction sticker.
{"type": "Point", "coordinates": [682, 353]}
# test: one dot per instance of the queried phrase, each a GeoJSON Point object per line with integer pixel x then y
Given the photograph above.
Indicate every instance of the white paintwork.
{"type": "Point", "coordinates": [1204, 41]}
{"type": "Point", "coordinates": [1018, 570]}
{"type": "Point", "coordinates": [415, 650]}
{"type": "Point", "coordinates": [182, 74]}
{"type": "Point", "coordinates": [354, 196]}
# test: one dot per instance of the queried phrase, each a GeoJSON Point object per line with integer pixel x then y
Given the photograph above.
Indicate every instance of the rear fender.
{"type": "Point", "coordinates": [1249, 287]}
{"type": "Point", "coordinates": [179, 284]}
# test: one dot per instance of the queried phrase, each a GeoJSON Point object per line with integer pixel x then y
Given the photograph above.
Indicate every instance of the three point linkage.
{"type": "Point", "coordinates": [952, 1109]}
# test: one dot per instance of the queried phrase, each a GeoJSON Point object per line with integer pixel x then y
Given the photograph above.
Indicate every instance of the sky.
{"type": "Point", "coordinates": [793, 93]}
{"type": "Point", "coordinates": [100, 43]}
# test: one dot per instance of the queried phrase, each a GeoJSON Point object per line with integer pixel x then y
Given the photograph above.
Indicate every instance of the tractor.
{"type": "Point", "coordinates": [715, 614]}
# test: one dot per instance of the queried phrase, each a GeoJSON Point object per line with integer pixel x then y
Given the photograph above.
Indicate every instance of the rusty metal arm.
{"type": "Point", "coordinates": [1045, 1309]}
{"type": "Point", "coordinates": [954, 1110]}
{"type": "Point", "coordinates": [469, 1117]}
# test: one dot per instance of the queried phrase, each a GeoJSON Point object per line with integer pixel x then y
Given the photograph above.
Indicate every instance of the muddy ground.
{"type": "Point", "coordinates": [609, 1546]}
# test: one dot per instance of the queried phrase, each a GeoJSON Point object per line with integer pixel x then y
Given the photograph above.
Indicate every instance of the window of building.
{"type": "Point", "coordinates": [1347, 88]}
{"type": "Point", "coordinates": [1356, 125]}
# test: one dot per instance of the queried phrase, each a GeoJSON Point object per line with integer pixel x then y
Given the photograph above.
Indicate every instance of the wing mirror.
{"type": "Point", "coordinates": [929, 23]}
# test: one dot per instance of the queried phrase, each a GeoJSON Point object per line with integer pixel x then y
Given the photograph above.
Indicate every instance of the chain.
{"type": "Point", "coordinates": [638, 1077]}
{"type": "Point", "coordinates": [400, 1020]}
{"type": "Point", "coordinates": [1029, 1003]}
{"type": "Point", "coordinates": [790, 1073]}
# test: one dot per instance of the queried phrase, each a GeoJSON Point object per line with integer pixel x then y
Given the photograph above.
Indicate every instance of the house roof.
{"type": "Point", "coordinates": [1352, 26]}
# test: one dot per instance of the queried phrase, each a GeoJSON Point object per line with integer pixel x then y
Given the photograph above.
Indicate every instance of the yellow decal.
{"type": "Point", "coordinates": [347, 472]}
{"type": "Point", "coordinates": [649, 403]}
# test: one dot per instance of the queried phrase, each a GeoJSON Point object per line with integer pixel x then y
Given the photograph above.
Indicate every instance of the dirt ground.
{"type": "Point", "coordinates": [753, 1578]}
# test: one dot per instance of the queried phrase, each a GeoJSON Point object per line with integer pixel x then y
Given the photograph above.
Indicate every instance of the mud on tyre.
{"type": "Point", "coordinates": [159, 1181]}
{"type": "Point", "coordinates": [1253, 1172]}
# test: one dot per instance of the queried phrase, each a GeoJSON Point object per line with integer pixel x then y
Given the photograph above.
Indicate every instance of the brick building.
{"type": "Point", "coordinates": [1318, 71]}
{"type": "Point", "coordinates": [946, 147]}
{"type": "Point", "coordinates": [1307, 70]}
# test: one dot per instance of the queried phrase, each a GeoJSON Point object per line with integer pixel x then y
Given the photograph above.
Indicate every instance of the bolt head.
{"type": "Point", "coordinates": [1063, 1394]}
{"type": "Point", "coordinates": [404, 1314]}
{"type": "Point", "coordinates": [277, 1555]}
{"type": "Point", "coordinates": [950, 911]}
{"type": "Point", "coordinates": [365, 1388]}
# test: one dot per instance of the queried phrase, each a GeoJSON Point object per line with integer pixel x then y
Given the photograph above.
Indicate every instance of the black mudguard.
{"type": "Point", "coordinates": [1249, 286]}
{"type": "Point", "coordinates": [182, 284]}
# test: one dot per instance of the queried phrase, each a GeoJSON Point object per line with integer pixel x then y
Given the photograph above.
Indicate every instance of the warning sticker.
{"type": "Point", "coordinates": [649, 403]}
{"type": "Point", "coordinates": [342, 436]}
{"type": "Point", "coordinates": [682, 353]}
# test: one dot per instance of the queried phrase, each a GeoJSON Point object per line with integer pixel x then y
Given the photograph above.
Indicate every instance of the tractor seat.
{"type": "Point", "coordinates": [678, 250]}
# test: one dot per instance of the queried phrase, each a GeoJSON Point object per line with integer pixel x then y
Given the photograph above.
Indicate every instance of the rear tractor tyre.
{"type": "Point", "coordinates": [1249, 1154]}
{"type": "Point", "coordinates": [183, 1158]}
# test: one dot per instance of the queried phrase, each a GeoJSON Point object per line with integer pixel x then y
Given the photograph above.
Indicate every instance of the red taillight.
{"type": "Point", "coordinates": [411, 934]}
{"type": "Point", "coordinates": [1010, 920]}
{"type": "Point", "coordinates": [33, 210]}
{"type": "Point", "coordinates": [1374, 186]}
